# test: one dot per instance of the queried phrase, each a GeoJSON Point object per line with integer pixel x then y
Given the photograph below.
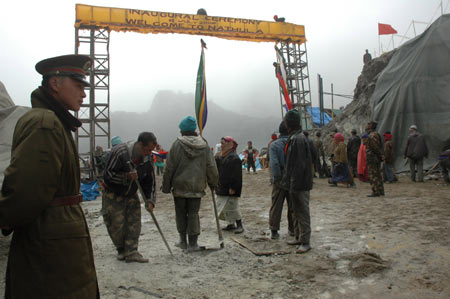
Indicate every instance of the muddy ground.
{"type": "Point", "coordinates": [397, 246]}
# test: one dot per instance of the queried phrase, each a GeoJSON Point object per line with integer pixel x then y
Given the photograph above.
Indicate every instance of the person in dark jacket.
{"type": "Point", "coordinates": [190, 168]}
{"type": "Point", "coordinates": [313, 151]}
{"type": "Point", "coordinates": [279, 195]}
{"type": "Point", "coordinates": [251, 157]}
{"type": "Point", "coordinates": [230, 185]}
{"type": "Point", "coordinates": [353, 144]}
{"type": "Point", "coordinates": [121, 207]}
{"type": "Point", "coordinates": [297, 178]}
{"type": "Point", "coordinates": [416, 149]}
{"type": "Point", "coordinates": [374, 156]}
{"type": "Point", "coordinates": [389, 157]}
{"type": "Point", "coordinates": [50, 255]}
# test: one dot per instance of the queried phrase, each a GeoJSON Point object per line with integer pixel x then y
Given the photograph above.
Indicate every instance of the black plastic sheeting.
{"type": "Point", "coordinates": [414, 88]}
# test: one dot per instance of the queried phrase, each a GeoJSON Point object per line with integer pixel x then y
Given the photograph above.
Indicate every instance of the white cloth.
{"type": "Point", "coordinates": [228, 208]}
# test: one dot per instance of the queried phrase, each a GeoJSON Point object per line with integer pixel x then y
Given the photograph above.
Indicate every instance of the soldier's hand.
{"type": "Point", "coordinates": [132, 175]}
{"type": "Point", "coordinates": [150, 207]}
{"type": "Point", "coordinates": [231, 191]}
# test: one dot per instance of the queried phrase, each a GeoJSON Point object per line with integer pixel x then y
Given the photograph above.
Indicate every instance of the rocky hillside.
{"type": "Point", "coordinates": [357, 113]}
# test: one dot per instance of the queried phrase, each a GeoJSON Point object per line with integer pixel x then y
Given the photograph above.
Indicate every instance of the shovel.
{"type": "Point", "coordinates": [151, 213]}
{"type": "Point", "coordinates": [219, 231]}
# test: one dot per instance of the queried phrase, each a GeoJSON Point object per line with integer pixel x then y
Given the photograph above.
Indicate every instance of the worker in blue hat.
{"type": "Point", "coordinates": [116, 140]}
{"type": "Point", "coordinates": [51, 251]}
{"type": "Point", "coordinates": [190, 168]}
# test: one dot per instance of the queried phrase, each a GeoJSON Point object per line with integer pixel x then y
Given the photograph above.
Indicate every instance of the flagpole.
{"type": "Point", "coordinates": [379, 45]}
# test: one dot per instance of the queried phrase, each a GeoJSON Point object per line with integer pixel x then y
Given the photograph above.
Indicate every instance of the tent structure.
{"type": "Point", "coordinates": [9, 114]}
{"type": "Point", "coordinates": [414, 88]}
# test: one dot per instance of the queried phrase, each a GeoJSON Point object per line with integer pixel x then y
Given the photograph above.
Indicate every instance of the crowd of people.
{"type": "Point", "coordinates": [370, 158]}
{"type": "Point", "coordinates": [48, 223]}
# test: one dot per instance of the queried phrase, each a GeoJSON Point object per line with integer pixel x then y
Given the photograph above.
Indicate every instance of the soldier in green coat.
{"type": "Point", "coordinates": [50, 254]}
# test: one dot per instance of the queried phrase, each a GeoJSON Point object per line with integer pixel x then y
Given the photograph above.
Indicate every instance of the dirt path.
{"type": "Point", "coordinates": [406, 233]}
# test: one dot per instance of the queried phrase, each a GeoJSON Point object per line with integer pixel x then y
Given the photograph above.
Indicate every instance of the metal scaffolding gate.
{"type": "Point", "coordinates": [297, 77]}
{"type": "Point", "coordinates": [94, 113]}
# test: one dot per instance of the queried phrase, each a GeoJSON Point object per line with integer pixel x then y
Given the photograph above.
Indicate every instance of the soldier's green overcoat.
{"type": "Point", "coordinates": [51, 253]}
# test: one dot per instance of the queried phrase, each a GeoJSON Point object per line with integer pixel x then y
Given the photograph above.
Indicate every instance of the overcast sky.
{"type": "Point", "coordinates": [240, 75]}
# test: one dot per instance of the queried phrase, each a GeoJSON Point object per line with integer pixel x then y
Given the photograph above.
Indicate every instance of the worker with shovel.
{"type": "Point", "coordinates": [120, 203]}
{"type": "Point", "coordinates": [190, 168]}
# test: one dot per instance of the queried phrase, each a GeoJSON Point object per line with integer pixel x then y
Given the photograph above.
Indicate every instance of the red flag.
{"type": "Point", "coordinates": [280, 72]}
{"type": "Point", "coordinates": [385, 29]}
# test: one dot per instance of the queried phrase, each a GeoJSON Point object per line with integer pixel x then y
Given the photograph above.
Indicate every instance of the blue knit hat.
{"type": "Point", "coordinates": [116, 140]}
{"type": "Point", "coordinates": [188, 124]}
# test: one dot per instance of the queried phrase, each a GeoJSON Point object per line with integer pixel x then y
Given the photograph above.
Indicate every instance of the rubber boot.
{"type": "Point", "coordinates": [274, 235]}
{"type": "Point", "coordinates": [182, 243]}
{"type": "Point", "coordinates": [193, 246]}
{"type": "Point", "coordinates": [240, 228]}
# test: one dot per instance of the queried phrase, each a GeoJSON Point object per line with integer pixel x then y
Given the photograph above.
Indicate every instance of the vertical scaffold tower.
{"type": "Point", "coordinates": [94, 113]}
{"type": "Point", "coordinates": [297, 77]}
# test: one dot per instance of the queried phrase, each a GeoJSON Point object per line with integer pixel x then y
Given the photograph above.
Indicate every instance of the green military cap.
{"type": "Point", "coordinates": [74, 66]}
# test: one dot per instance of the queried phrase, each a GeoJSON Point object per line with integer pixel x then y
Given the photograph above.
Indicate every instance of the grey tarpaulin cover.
{"type": "Point", "coordinates": [414, 88]}
{"type": "Point", "coordinates": [9, 114]}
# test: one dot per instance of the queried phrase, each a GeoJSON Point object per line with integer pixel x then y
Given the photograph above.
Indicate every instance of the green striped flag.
{"type": "Point", "coordinates": [201, 107]}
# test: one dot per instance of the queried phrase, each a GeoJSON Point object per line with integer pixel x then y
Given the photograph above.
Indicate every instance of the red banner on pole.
{"type": "Point", "coordinates": [385, 29]}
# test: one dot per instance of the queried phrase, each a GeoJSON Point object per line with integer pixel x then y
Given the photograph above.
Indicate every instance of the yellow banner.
{"type": "Point", "coordinates": [145, 21]}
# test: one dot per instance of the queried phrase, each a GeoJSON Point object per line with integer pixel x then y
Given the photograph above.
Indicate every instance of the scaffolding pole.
{"type": "Point", "coordinates": [297, 79]}
{"type": "Point", "coordinates": [94, 113]}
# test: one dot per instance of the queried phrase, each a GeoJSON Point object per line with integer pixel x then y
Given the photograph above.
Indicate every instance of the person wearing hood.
{"type": "Point", "coordinates": [190, 167]}
{"type": "Point", "coordinates": [230, 185]}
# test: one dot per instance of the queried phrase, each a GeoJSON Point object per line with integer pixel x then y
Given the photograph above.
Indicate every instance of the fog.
{"type": "Point", "coordinates": [240, 75]}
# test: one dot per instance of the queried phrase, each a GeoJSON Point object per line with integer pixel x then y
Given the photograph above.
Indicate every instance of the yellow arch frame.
{"type": "Point", "coordinates": [145, 21]}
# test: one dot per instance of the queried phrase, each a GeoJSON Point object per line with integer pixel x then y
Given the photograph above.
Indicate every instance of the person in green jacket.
{"type": "Point", "coordinates": [50, 254]}
{"type": "Point", "coordinates": [190, 166]}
